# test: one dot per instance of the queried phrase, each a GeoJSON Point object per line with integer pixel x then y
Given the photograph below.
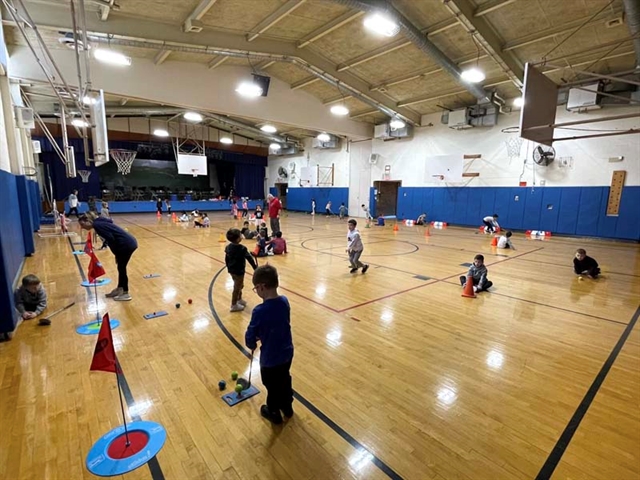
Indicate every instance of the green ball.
{"type": "Point", "coordinates": [239, 388]}
{"type": "Point", "coordinates": [234, 375]}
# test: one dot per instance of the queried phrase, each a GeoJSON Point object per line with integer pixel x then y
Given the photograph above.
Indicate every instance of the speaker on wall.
{"type": "Point", "coordinates": [263, 81]}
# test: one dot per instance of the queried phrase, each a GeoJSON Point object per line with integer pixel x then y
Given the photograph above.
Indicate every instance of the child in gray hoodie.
{"type": "Point", "coordinates": [30, 298]}
{"type": "Point", "coordinates": [479, 274]}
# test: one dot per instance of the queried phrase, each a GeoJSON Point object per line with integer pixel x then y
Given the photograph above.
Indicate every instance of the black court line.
{"type": "Point", "coordinates": [569, 266]}
{"type": "Point", "coordinates": [386, 469]}
{"type": "Point", "coordinates": [154, 465]}
{"type": "Point", "coordinates": [563, 442]}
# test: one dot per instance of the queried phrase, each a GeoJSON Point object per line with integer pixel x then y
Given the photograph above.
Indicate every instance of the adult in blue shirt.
{"type": "Point", "coordinates": [122, 245]}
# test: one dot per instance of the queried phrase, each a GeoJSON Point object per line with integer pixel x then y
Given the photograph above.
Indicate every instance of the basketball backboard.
{"type": "Point", "coordinates": [192, 164]}
{"type": "Point", "coordinates": [540, 105]}
{"type": "Point", "coordinates": [99, 135]}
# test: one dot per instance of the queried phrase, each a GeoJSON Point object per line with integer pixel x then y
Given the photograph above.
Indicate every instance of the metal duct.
{"type": "Point", "coordinates": [632, 12]}
{"type": "Point", "coordinates": [420, 40]}
{"type": "Point", "coordinates": [315, 71]}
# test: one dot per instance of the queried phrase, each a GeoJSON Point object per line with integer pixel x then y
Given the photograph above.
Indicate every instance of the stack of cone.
{"type": "Point", "coordinates": [395, 228]}
{"type": "Point", "coordinates": [494, 242]}
{"type": "Point", "coordinates": [221, 238]}
{"type": "Point", "coordinates": [174, 218]}
{"type": "Point", "coordinates": [239, 215]}
{"type": "Point", "coordinates": [468, 288]}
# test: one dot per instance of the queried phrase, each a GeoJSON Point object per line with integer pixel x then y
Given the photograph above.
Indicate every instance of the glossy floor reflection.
{"type": "Point", "coordinates": [398, 374]}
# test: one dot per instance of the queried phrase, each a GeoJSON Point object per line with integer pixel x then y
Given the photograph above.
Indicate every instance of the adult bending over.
{"type": "Point", "coordinates": [122, 245]}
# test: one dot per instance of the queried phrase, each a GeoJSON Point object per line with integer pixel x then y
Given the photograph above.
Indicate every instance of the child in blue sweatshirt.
{"type": "Point", "coordinates": [271, 324]}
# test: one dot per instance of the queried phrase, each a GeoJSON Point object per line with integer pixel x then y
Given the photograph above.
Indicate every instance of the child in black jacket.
{"type": "Point", "coordinates": [236, 256]}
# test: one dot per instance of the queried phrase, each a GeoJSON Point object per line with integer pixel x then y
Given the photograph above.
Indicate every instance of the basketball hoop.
{"type": "Point", "coordinates": [513, 144]}
{"type": "Point", "coordinates": [194, 171]}
{"type": "Point", "coordinates": [124, 159]}
{"type": "Point", "coordinates": [85, 175]}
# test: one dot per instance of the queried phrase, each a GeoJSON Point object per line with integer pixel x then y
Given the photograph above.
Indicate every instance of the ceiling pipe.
{"type": "Point", "coordinates": [420, 40]}
{"type": "Point", "coordinates": [632, 13]}
{"type": "Point", "coordinates": [204, 50]}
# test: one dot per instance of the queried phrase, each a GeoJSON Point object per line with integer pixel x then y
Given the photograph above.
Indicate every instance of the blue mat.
{"type": "Point", "coordinates": [92, 328]}
{"type": "Point", "coordinates": [78, 252]}
{"type": "Point", "coordinates": [149, 316]}
{"type": "Point", "coordinates": [232, 398]}
{"type": "Point", "coordinates": [99, 283]}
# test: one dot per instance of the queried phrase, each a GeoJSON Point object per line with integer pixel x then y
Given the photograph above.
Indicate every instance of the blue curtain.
{"type": "Point", "coordinates": [249, 180]}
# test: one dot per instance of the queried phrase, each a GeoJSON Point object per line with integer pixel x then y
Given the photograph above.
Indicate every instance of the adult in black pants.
{"type": "Point", "coordinates": [73, 203]}
{"type": "Point", "coordinates": [122, 245]}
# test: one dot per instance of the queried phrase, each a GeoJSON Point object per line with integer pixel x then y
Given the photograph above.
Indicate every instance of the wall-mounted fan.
{"type": "Point", "coordinates": [282, 172]}
{"type": "Point", "coordinates": [544, 155]}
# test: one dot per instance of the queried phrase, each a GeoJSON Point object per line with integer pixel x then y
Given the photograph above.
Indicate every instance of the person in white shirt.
{"type": "Point", "coordinates": [490, 223]}
{"type": "Point", "coordinates": [367, 213]}
{"type": "Point", "coordinates": [73, 203]}
{"type": "Point", "coordinates": [504, 241]}
{"type": "Point", "coordinates": [355, 248]}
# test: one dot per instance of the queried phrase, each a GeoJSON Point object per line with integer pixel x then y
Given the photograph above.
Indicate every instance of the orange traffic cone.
{"type": "Point", "coordinates": [395, 228]}
{"type": "Point", "coordinates": [427, 232]}
{"type": "Point", "coordinates": [174, 218]}
{"type": "Point", "coordinates": [468, 288]}
{"type": "Point", "coordinates": [158, 214]}
{"type": "Point", "coordinates": [494, 242]}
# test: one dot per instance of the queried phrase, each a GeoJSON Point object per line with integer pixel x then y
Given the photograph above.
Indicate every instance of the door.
{"type": "Point", "coordinates": [282, 193]}
{"type": "Point", "coordinates": [386, 197]}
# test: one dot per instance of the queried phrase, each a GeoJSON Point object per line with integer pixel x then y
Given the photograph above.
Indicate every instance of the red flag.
{"type": "Point", "coordinates": [88, 247]}
{"type": "Point", "coordinates": [104, 356]}
{"type": "Point", "coordinates": [95, 268]}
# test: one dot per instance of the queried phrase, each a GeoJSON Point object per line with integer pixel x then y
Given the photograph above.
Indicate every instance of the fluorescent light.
{"type": "Point", "coordinates": [78, 122]}
{"type": "Point", "coordinates": [87, 100]}
{"type": "Point", "coordinates": [275, 146]}
{"type": "Point", "coordinates": [396, 123]}
{"type": "Point", "coordinates": [473, 75]}
{"type": "Point", "coordinates": [192, 116]}
{"type": "Point", "coordinates": [268, 128]}
{"type": "Point", "coordinates": [111, 57]}
{"type": "Point", "coordinates": [226, 140]}
{"type": "Point", "coordinates": [340, 110]}
{"type": "Point", "coordinates": [249, 89]}
{"type": "Point", "coordinates": [518, 102]}
{"type": "Point", "coordinates": [159, 132]}
{"type": "Point", "coordinates": [381, 25]}
{"type": "Point", "coordinates": [324, 137]}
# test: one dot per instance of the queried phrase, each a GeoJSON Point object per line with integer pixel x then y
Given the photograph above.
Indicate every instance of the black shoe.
{"type": "Point", "coordinates": [274, 418]}
{"type": "Point", "coordinates": [365, 268]}
{"type": "Point", "coordinates": [353, 270]}
{"type": "Point", "coordinates": [288, 412]}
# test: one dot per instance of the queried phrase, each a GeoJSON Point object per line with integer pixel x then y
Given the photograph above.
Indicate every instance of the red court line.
{"type": "Point", "coordinates": [386, 296]}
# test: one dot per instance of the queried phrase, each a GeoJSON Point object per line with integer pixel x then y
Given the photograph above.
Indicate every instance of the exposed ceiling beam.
{"type": "Point", "coordinates": [487, 37]}
{"type": "Point", "coordinates": [363, 113]}
{"type": "Point", "coordinates": [201, 9]}
{"type": "Point", "coordinates": [327, 28]}
{"type": "Point", "coordinates": [161, 56]}
{"type": "Point", "coordinates": [217, 61]}
{"type": "Point", "coordinates": [103, 12]}
{"type": "Point", "coordinates": [274, 18]}
{"type": "Point", "coordinates": [264, 64]}
{"type": "Point", "coordinates": [491, 6]}
{"type": "Point", "coordinates": [336, 99]}
{"type": "Point", "coordinates": [304, 82]}
{"type": "Point", "coordinates": [393, 46]}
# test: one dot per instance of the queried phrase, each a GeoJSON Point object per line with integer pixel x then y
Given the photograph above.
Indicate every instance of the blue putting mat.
{"type": "Point", "coordinates": [92, 328]}
{"type": "Point", "coordinates": [149, 316]}
{"type": "Point", "coordinates": [99, 283]}
{"type": "Point", "coordinates": [78, 252]}
{"type": "Point", "coordinates": [232, 398]}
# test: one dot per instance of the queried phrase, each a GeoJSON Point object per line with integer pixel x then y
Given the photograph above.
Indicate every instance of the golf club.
{"type": "Point", "coordinates": [47, 320]}
{"type": "Point", "coordinates": [247, 383]}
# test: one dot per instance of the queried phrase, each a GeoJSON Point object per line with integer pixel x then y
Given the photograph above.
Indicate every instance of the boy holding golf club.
{"type": "Point", "coordinates": [271, 324]}
{"type": "Point", "coordinates": [30, 298]}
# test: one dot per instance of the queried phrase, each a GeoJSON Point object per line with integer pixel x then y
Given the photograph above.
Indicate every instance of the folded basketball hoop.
{"type": "Point", "coordinates": [124, 159]}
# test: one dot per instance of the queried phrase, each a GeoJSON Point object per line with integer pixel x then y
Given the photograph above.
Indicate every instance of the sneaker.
{"type": "Point", "coordinates": [115, 293]}
{"type": "Point", "coordinates": [365, 268]}
{"type": "Point", "coordinates": [274, 418]}
{"type": "Point", "coordinates": [238, 307]}
{"type": "Point", "coordinates": [288, 412]}
{"type": "Point", "coordinates": [242, 302]}
{"type": "Point", "coordinates": [353, 270]}
{"type": "Point", "coordinates": [125, 297]}
{"type": "Point", "coordinates": [270, 253]}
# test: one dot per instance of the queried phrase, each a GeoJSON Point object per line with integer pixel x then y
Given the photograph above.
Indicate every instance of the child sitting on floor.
{"type": "Point", "coordinates": [278, 244]}
{"type": "Point", "coordinates": [261, 244]}
{"type": "Point", "coordinates": [247, 232]}
{"type": "Point", "coordinates": [30, 298]}
{"type": "Point", "coordinates": [504, 241]}
{"type": "Point", "coordinates": [422, 219]}
{"type": "Point", "coordinates": [205, 221]}
{"type": "Point", "coordinates": [184, 217]}
{"type": "Point", "coordinates": [479, 274]}
{"type": "Point", "coordinates": [585, 265]}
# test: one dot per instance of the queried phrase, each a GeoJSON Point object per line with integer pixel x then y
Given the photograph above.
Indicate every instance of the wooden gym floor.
{"type": "Point", "coordinates": [396, 374]}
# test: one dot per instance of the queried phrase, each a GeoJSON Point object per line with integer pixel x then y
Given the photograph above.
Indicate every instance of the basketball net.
{"type": "Point", "coordinates": [85, 175]}
{"type": "Point", "coordinates": [194, 171]}
{"type": "Point", "coordinates": [124, 159]}
{"type": "Point", "coordinates": [514, 144]}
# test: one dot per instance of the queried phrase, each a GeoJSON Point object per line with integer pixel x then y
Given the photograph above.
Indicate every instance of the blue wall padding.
{"type": "Point", "coordinates": [299, 199]}
{"type": "Point", "coordinates": [25, 201]}
{"type": "Point", "coordinates": [11, 248]}
{"type": "Point", "coordinates": [36, 211]}
{"type": "Point", "coordinates": [176, 207]}
{"type": "Point", "coordinates": [563, 210]}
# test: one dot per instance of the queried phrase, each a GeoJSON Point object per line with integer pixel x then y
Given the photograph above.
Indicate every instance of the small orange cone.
{"type": "Point", "coordinates": [494, 242]}
{"type": "Point", "coordinates": [221, 238]}
{"type": "Point", "coordinates": [174, 218]}
{"type": "Point", "coordinates": [468, 288]}
{"type": "Point", "coordinates": [427, 233]}
{"type": "Point", "coordinates": [395, 228]}
{"type": "Point", "coordinates": [158, 214]}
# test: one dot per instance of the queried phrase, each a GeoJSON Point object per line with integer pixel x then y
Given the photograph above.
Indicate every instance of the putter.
{"type": "Point", "coordinates": [247, 383]}
{"type": "Point", "coordinates": [47, 320]}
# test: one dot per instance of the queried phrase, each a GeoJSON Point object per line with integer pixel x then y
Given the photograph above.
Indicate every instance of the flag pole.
{"type": "Point", "coordinates": [95, 286]}
{"type": "Point", "coordinates": [124, 418]}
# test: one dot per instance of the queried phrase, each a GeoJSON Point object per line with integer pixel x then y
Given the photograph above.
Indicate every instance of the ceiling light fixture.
{"type": "Point", "coordinates": [78, 122]}
{"type": "Point", "coordinates": [226, 140]}
{"type": "Point", "coordinates": [396, 123]}
{"type": "Point", "coordinates": [381, 25]}
{"type": "Point", "coordinates": [340, 110]}
{"type": "Point", "coordinates": [192, 117]}
{"type": "Point", "coordinates": [249, 89]}
{"type": "Point", "coordinates": [111, 57]}
{"type": "Point", "coordinates": [518, 102]}
{"type": "Point", "coordinates": [160, 132]}
{"type": "Point", "coordinates": [275, 146]}
{"type": "Point", "coordinates": [324, 137]}
{"type": "Point", "coordinates": [473, 75]}
{"type": "Point", "coordinates": [87, 100]}
{"type": "Point", "coordinates": [268, 128]}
